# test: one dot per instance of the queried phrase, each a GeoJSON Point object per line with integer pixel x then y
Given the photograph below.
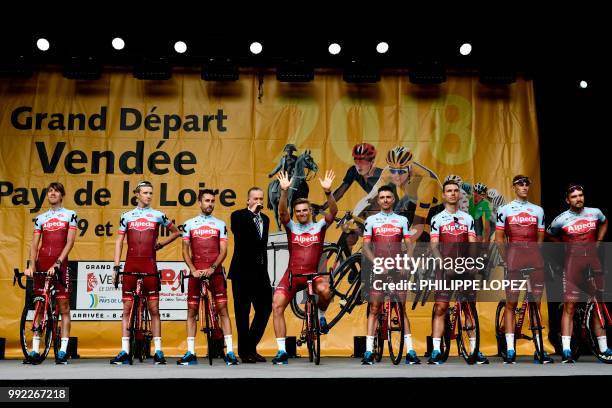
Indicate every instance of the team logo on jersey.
{"type": "Point", "coordinates": [204, 232]}
{"type": "Point", "coordinates": [394, 221]}
{"type": "Point", "coordinates": [149, 215]}
{"type": "Point", "coordinates": [142, 224]}
{"type": "Point", "coordinates": [580, 227]}
{"type": "Point", "coordinates": [454, 229]}
{"type": "Point", "coordinates": [388, 230]}
{"type": "Point", "coordinates": [522, 219]}
{"type": "Point", "coordinates": [305, 239]}
{"type": "Point", "coordinates": [54, 224]}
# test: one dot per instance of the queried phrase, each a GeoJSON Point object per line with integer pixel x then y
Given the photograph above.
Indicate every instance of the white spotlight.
{"type": "Point", "coordinates": [465, 49]}
{"type": "Point", "coordinates": [42, 44]}
{"type": "Point", "coordinates": [118, 43]}
{"type": "Point", "coordinates": [382, 47]}
{"type": "Point", "coordinates": [334, 48]}
{"type": "Point", "coordinates": [256, 48]}
{"type": "Point", "coordinates": [180, 47]}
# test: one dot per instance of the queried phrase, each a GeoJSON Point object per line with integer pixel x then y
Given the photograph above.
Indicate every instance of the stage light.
{"type": "Point", "coordinates": [16, 68]}
{"type": "Point", "coordinates": [360, 73]}
{"type": "Point", "coordinates": [220, 70]}
{"type": "Point", "coordinates": [583, 84]}
{"type": "Point", "coordinates": [465, 49]}
{"type": "Point", "coordinates": [118, 43]}
{"type": "Point", "coordinates": [427, 73]}
{"type": "Point", "coordinates": [382, 47]}
{"type": "Point", "coordinates": [82, 68]}
{"type": "Point", "coordinates": [42, 44]}
{"type": "Point", "coordinates": [497, 75]}
{"type": "Point", "coordinates": [295, 71]}
{"type": "Point", "coordinates": [256, 48]}
{"type": "Point", "coordinates": [152, 68]}
{"type": "Point", "coordinates": [180, 47]}
{"type": "Point", "coordinates": [334, 48]}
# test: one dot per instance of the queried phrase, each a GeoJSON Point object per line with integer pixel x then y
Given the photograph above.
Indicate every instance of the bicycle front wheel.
{"type": "Point", "coordinates": [208, 330]}
{"type": "Point", "coordinates": [313, 335]}
{"type": "Point", "coordinates": [468, 332]}
{"type": "Point", "coordinates": [347, 288]}
{"type": "Point", "coordinates": [27, 330]}
{"type": "Point", "coordinates": [596, 313]}
{"type": "Point", "coordinates": [500, 328]}
{"type": "Point", "coordinates": [536, 331]}
{"type": "Point", "coordinates": [395, 331]}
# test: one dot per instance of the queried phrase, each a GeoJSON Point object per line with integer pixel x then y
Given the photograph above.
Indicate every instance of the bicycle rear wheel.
{"type": "Point", "coordinates": [347, 288]}
{"type": "Point", "coordinates": [445, 340]}
{"type": "Point", "coordinates": [207, 329]}
{"type": "Point", "coordinates": [500, 328]}
{"type": "Point", "coordinates": [134, 323]}
{"type": "Point", "coordinates": [467, 327]}
{"type": "Point", "coordinates": [536, 331]}
{"type": "Point", "coordinates": [328, 262]}
{"type": "Point", "coordinates": [45, 331]}
{"type": "Point", "coordinates": [395, 331]}
{"type": "Point", "coordinates": [591, 316]}
{"type": "Point", "coordinates": [313, 335]}
{"type": "Point", "coordinates": [379, 336]}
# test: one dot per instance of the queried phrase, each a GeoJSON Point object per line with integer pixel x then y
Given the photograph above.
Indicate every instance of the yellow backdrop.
{"type": "Point", "coordinates": [229, 136]}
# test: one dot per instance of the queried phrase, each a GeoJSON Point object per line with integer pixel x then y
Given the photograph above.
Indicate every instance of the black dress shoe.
{"type": "Point", "coordinates": [258, 357]}
{"type": "Point", "coordinates": [248, 359]}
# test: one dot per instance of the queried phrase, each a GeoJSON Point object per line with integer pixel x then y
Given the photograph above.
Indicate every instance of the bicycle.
{"type": "Point", "coordinates": [390, 321]}
{"type": "Point", "coordinates": [333, 255]}
{"type": "Point", "coordinates": [46, 308]}
{"type": "Point", "coordinates": [527, 307]}
{"type": "Point", "coordinates": [311, 330]}
{"type": "Point", "coordinates": [140, 320]}
{"type": "Point", "coordinates": [459, 322]}
{"type": "Point", "coordinates": [207, 313]}
{"type": "Point", "coordinates": [584, 318]}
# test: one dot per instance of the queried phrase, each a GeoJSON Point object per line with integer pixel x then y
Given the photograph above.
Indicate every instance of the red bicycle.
{"type": "Point", "coordinates": [207, 314]}
{"type": "Point", "coordinates": [390, 328]}
{"type": "Point", "coordinates": [528, 307]}
{"type": "Point", "coordinates": [461, 323]}
{"type": "Point", "coordinates": [311, 329]}
{"type": "Point", "coordinates": [140, 320]}
{"type": "Point", "coordinates": [585, 316]}
{"type": "Point", "coordinates": [45, 321]}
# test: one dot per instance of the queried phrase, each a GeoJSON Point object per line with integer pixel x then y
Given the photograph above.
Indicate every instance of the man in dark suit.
{"type": "Point", "coordinates": [249, 275]}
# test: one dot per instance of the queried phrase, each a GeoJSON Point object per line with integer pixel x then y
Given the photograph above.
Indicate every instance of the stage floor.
{"type": "Point", "coordinates": [330, 367]}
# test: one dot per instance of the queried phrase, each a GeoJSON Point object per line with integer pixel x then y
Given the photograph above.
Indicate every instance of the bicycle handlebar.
{"type": "Point", "coordinates": [17, 275]}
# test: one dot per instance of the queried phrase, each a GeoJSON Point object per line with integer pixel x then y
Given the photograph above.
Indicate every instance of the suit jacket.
{"type": "Point", "coordinates": [250, 260]}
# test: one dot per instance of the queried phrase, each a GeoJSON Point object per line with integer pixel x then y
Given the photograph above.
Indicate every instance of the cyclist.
{"type": "Point", "coordinates": [522, 224]}
{"type": "Point", "coordinates": [451, 231]}
{"type": "Point", "coordinates": [204, 249]}
{"type": "Point", "coordinates": [419, 185]}
{"type": "Point", "coordinates": [305, 239]}
{"type": "Point", "coordinates": [54, 235]}
{"type": "Point", "coordinates": [582, 228]}
{"type": "Point", "coordinates": [141, 226]}
{"type": "Point", "coordinates": [480, 210]}
{"type": "Point", "coordinates": [383, 238]}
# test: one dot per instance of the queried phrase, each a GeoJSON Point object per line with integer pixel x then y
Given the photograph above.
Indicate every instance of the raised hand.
{"type": "Point", "coordinates": [284, 180]}
{"type": "Point", "coordinates": [326, 183]}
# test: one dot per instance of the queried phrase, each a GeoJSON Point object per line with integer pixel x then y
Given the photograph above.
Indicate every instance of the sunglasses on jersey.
{"type": "Point", "coordinates": [398, 171]}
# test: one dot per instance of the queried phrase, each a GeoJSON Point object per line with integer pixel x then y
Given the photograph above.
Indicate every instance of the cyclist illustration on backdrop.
{"type": "Point", "coordinates": [204, 250]}
{"type": "Point", "coordinates": [365, 174]}
{"type": "Point", "coordinates": [480, 210]}
{"type": "Point", "coordinates": [419, 187]}
{"type": "Point", "coordinates": [141, 227]}
{"type": "Point", "coordinates": [54, 235]}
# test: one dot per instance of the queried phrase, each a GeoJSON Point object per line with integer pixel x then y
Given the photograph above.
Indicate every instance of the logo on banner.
{"type": "Point", "coordinates": [92, 281]}
{"type": "Point", "coordinates": [94, 300]}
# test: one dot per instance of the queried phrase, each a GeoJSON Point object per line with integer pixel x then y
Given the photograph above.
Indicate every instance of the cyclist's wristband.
{"type": "Point", "coordinates": [117, 268]}
{"type": "Point", "coordinates": [58, 262]}
{"type": "Point", "coordinates": [327, 192]}
{"type": "Point", "coordinates": [214, 267]}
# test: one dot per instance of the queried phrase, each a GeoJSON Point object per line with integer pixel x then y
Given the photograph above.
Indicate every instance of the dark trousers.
{"type": "Point", "coordinates": [259, 294]}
